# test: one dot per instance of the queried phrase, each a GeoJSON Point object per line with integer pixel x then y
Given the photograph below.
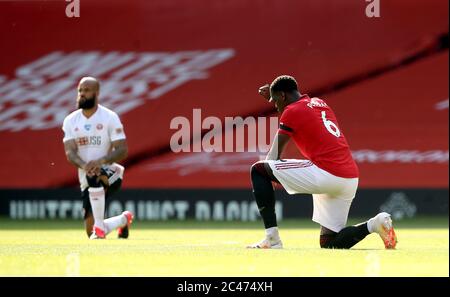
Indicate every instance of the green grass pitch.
{"type": "Point", "coordinates": [61, 248]}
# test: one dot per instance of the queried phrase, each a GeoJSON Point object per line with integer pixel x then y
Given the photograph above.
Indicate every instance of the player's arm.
{"type": "Point", "coordinates": [118, 152]}
{"type": "Point", "coordinates": [71, 148]}
{"type": "Point", "coordinates": [281, 139]}
{"type": "Point", "coordinates": [278, 146]}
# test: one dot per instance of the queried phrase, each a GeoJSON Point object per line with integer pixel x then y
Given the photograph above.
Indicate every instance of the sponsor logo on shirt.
{"type": "Point", "coordinates": [87, 127]}
{"type": "Point", "coordinates": [316, 102]}
{"type": "Point", "coordinates": [91, 140]}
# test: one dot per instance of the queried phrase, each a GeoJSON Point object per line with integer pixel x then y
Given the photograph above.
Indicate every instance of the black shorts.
{"type": "Point", "coordinates": [87, 208]}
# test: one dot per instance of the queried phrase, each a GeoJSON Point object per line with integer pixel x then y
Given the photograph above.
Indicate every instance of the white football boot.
{"type": "Point", "coordinates": [267, 244]}
{"type": "Point", "coordinates": [382, 224]}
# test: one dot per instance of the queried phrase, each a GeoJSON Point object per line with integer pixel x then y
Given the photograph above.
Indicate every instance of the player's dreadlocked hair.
{"type": "Point", "coordinates": [284, 83]}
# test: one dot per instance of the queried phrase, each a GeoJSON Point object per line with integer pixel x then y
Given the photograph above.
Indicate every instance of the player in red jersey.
{"type": "Point", "coordinates": [330, 174]}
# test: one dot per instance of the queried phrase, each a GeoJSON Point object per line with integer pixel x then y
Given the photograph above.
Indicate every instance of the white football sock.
{"type": "Point", "coordinates": [272, 234]}
{"type": "Point", "coordinates": [97, 199]}
{"type": "Point", "coordinates": [114, 223]}
{"type": "Point", "coordinates": [370, 224]}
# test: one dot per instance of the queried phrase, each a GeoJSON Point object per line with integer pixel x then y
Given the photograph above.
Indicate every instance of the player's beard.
{"type": "Point", "coordinates": [87, 103]}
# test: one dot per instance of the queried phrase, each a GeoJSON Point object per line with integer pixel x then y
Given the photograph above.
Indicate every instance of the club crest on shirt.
{"type": "Point", "coordinates": [87, 127]}
{"type": "Point", "coordinates": [99, 126]}
{"type": "Point", "coordinates": [76, 129]}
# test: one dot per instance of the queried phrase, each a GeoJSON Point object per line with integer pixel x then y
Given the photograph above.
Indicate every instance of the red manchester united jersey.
{"type": "Point", "coordinates": [314, 128]}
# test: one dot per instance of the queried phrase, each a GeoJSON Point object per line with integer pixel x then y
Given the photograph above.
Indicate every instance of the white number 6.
{"type": "Point", "coordinates": [331, 127]}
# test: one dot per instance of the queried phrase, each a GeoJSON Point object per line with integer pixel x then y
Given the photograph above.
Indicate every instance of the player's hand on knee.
{"type": "Point", "coordinates": [93, 172]}
{"type": "Point", "coordinates": [93, 167]}
{"type": "Point", "coordinates": [96, 171]}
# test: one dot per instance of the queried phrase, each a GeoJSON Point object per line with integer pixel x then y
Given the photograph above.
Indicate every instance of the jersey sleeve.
{"type": "Point", "coordinates": [115, 128]}
{"type": "Point", "coordinates": [286, 123]}
{"type": "Point", "coordinates": [67, 129]}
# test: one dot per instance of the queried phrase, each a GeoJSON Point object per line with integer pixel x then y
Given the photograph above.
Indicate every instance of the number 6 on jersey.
{"type": "Point", "coordinates": [331, 127]}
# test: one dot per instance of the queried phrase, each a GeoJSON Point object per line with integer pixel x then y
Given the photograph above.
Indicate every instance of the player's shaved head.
{"type": "Point", "coordinates": [88, 92]}
{"type": "Point", "coordinates": [90, 81]}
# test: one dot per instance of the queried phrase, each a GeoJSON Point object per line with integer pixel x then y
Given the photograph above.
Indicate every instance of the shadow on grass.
{"type": "Point", "coordinates": [57, 224]}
